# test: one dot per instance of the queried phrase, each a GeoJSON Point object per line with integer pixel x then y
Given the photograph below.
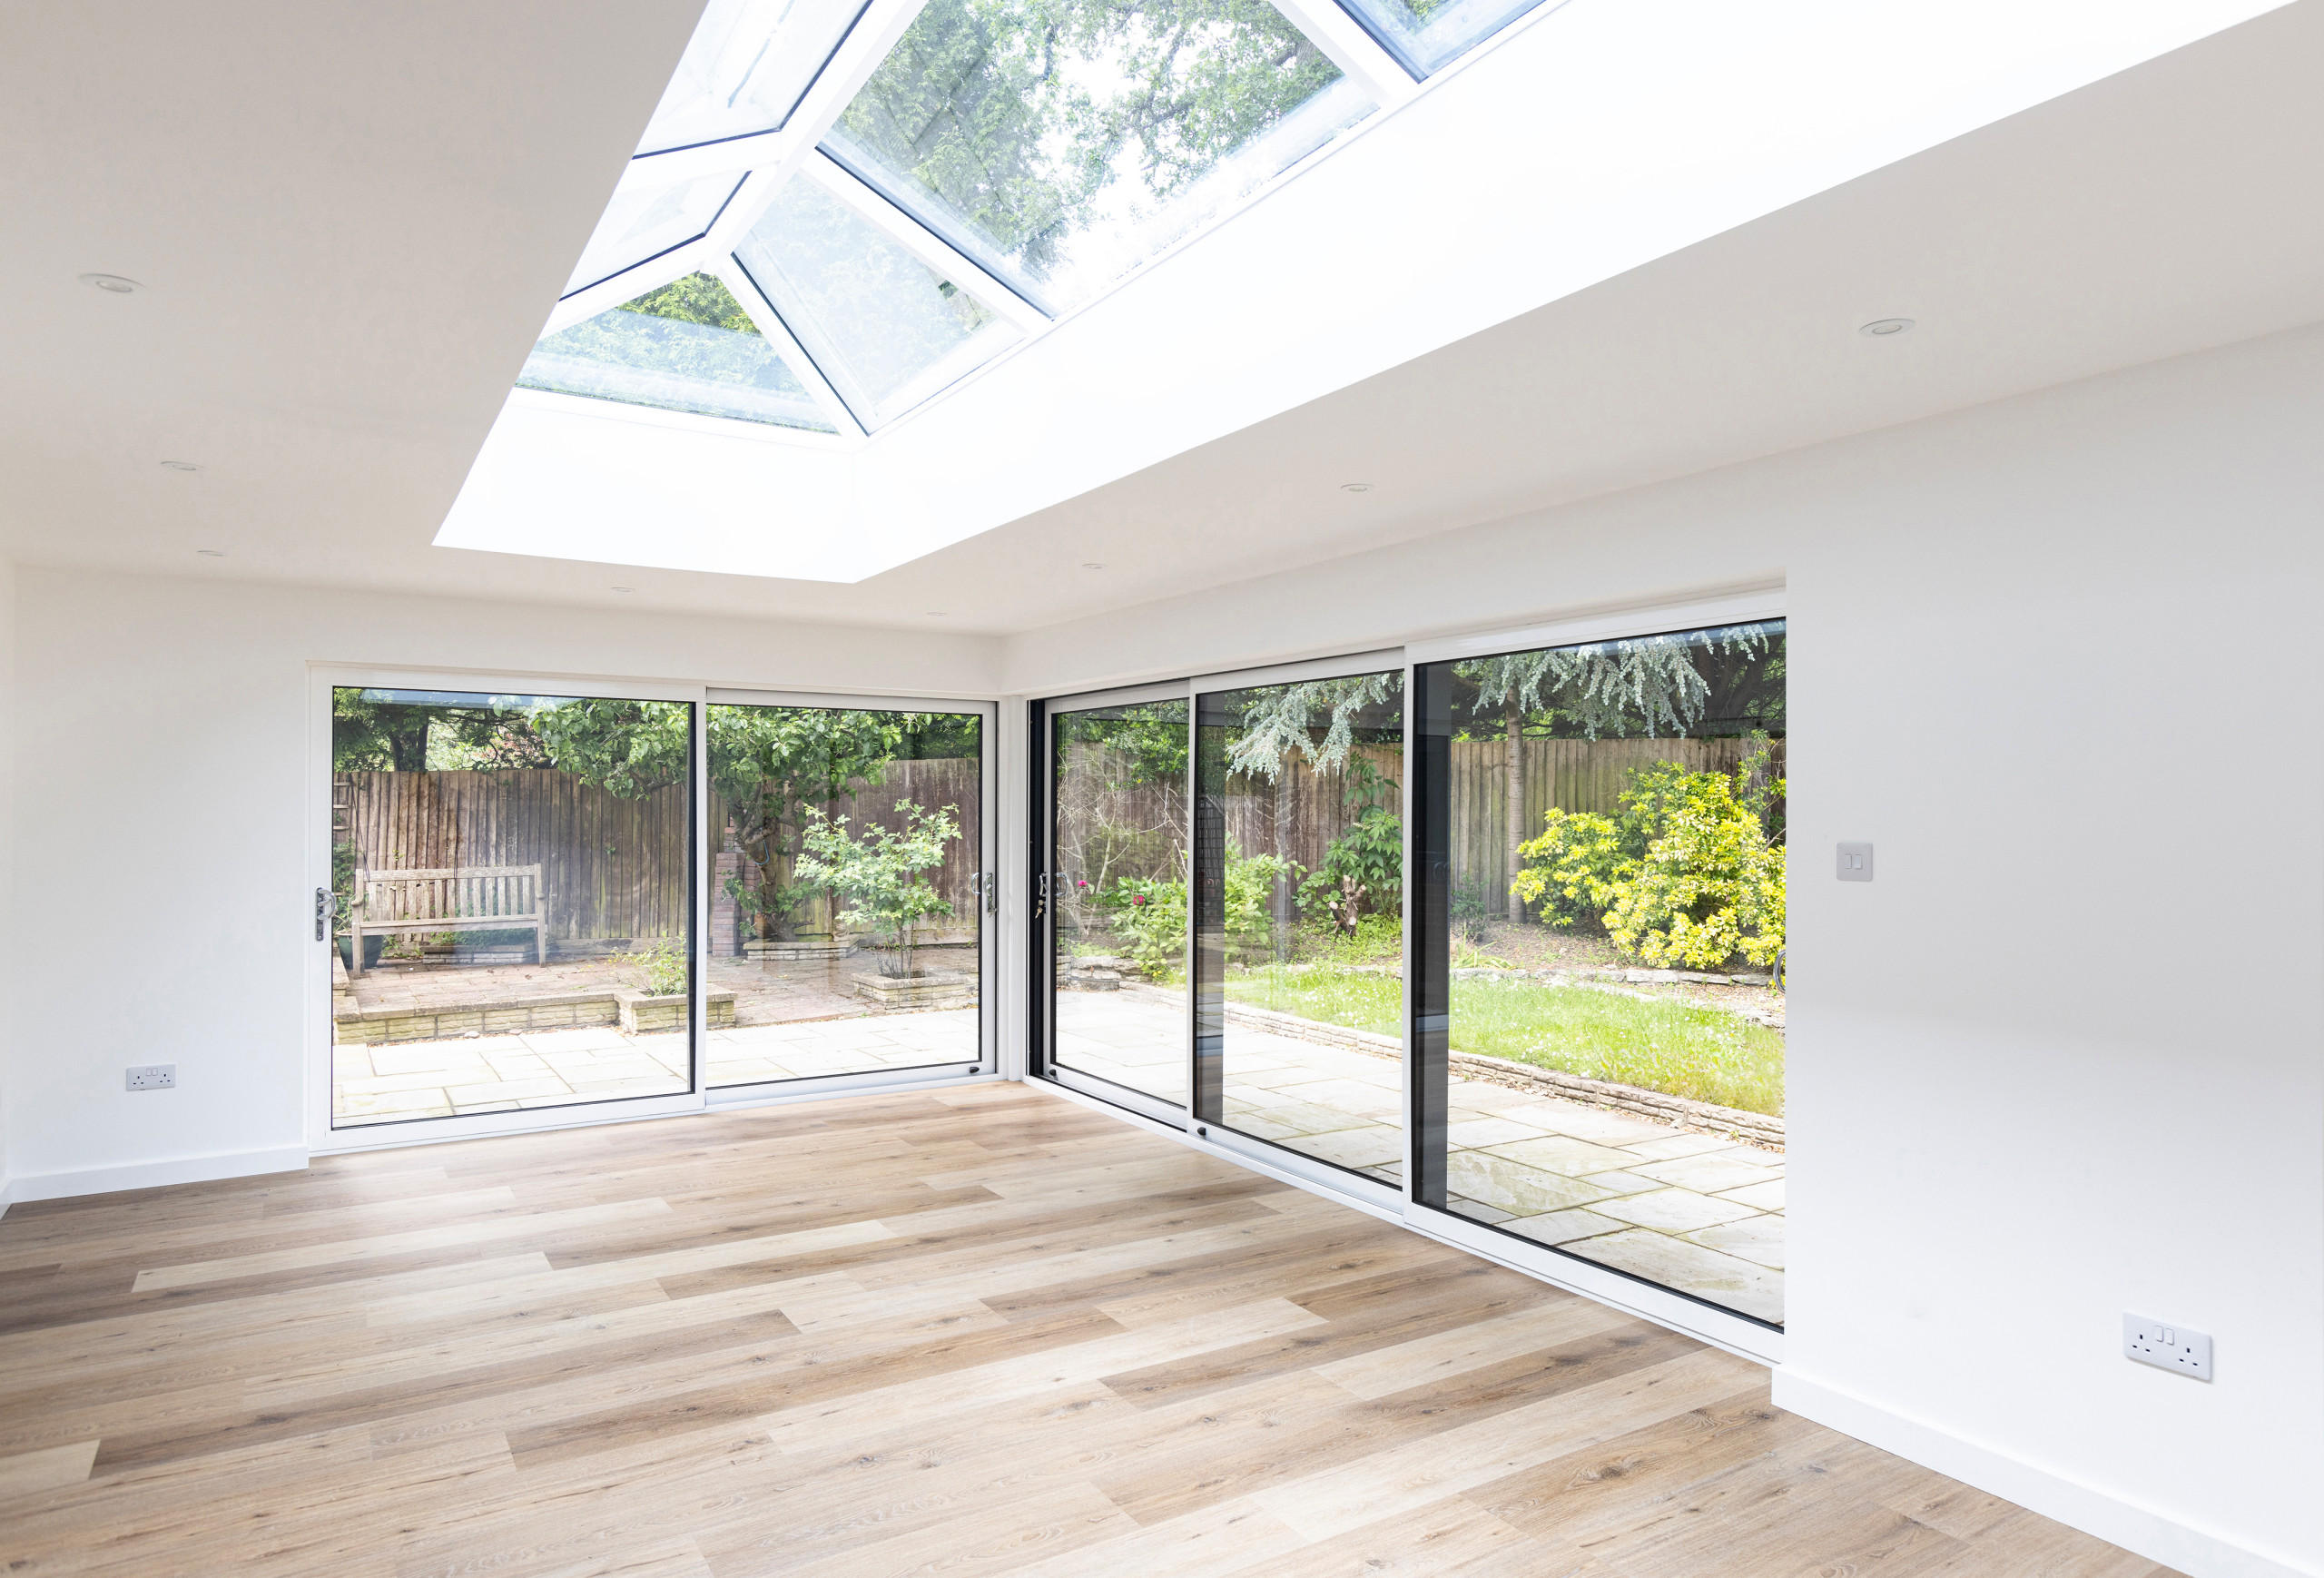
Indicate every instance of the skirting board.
{"type": "Point", "coordinates": [148, 1175]}
{"type": "Point", "coordinates": [2148, 1534]}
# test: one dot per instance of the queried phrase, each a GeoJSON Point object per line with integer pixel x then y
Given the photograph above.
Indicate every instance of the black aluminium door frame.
{"type": "Point", "coordinates": [1206, 1078]}
{"type": "Point", "coordinates": [1045, 895]}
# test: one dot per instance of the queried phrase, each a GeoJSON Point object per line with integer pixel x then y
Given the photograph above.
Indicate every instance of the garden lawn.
{"type": "Point", "coordinates": [1701, 1053]}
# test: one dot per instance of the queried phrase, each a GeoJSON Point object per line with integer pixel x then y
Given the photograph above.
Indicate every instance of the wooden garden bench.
{"type": "Point", "coordinates": [469, 898]}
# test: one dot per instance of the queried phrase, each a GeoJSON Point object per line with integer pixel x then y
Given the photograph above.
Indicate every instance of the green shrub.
{"type": "Point", "coordinates": [1362, 873]}
{"type": "Point", "coordinates": [1688, 874]}
{"type": "Point", "coordinates": [1154, 914]}
{"type": "Point", "coordinates": [1575, 868]}
{"type": "Point", "coordinates": [664, 967]}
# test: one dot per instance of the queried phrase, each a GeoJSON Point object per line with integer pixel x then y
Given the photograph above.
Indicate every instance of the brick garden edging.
{"type": "Point", "coordinates": [1757, 1127]}
{"type": "Point", "coordinates": [510, 1016]}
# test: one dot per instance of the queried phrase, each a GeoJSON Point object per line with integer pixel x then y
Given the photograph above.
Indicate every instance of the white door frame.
{"type": "Point", "coordinates": [322, 1137]}
{"type": "Point", "coordinates": [988, 919]}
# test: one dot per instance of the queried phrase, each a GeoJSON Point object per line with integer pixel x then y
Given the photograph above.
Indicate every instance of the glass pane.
{"type": "Point", "coordinates": [1426, 35]}
{"type": "Point", "coordinates": [686, 346]}
{"type": "Point", "coordinates": [746, 68]}
{"type": "Point", "coordinates": [1597, 1021]}
{"type": "Point", "coordinates": [1118, 869]}
{"type": "Point", "coordinates": [1299, 881]}
{"type": "Point", "coordinates": [844, 926]}
{"type": "Point", "coordinates": [1061, 145]}
{"type": "Point", "coordinates": [639, 225]}
{"type": "Point", "coordinates": [512, 902]}
{"type": "Point", "coordinates": [883, 326]}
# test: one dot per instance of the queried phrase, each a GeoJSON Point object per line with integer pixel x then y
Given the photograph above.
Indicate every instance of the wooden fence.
{"type": "Point", "coordinates": [612, 868]}
{"type": "Point", "coordinates": [1299, 815]}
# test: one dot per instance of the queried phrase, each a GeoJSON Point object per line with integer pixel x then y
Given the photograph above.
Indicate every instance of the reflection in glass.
{"type": "Point", "coordinates": [686, 346]}
{"type": "Point", "coordinates": [638, 225]}
{"type": "Point", "coordinates": [883, 327]}
{"type": "Point", "coordinates": [512, 903]}
{"type": "Point", "coordinates": [844, 922]}
{"type": "Point", "coordinates": [1062, 145]}
{"type": "Point", "coordinates": [1298, 917]}
{"type": "Point", "coordinates": [1599, 898]}
{"type": "Point", "coordinates": [1426, 35]}
{"type": "Point", "coordinates": [1118, 881]}
{"type": "Point", "coordinates": [746, 68]}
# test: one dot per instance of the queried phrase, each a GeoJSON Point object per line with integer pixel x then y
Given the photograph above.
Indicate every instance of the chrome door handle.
{"type": "Point", "coordinates": [986, 892]}
{"type": "Point", "coordinates": [323, 914]}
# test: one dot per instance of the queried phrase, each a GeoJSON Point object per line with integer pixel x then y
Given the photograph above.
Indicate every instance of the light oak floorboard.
{"type": "Point", "coordinates": [974, 1330]}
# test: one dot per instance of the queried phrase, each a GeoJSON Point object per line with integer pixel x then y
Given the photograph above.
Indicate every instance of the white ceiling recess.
{"type": "Point", "coordinates": [335, 313]}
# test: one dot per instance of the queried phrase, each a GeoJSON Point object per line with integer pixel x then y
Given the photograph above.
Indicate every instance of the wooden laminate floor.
{"type": "Point", "coordinates": [984, 1331]}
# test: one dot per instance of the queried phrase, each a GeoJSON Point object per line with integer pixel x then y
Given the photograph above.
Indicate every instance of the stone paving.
{"type": "Point", "coordinates": [405, 1080]}
{"type": "Point", "coordinates": [1692, 1211]}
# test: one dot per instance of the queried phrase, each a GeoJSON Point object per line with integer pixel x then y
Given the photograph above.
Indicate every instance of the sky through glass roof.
{"type": "Point", "coordinates": [897, 190]}
{"type": "Point", "coordinates": [686, 346]}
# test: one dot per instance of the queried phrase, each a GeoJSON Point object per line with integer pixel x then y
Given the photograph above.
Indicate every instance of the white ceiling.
{"type": "Point", "coordinates": [352, 221]}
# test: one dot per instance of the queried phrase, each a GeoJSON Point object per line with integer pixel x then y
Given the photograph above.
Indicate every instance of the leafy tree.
{"type": "Point", "coordinates": [774, 767]}
{"type": "Point", "coordinates": [691, 331]}
{"type": "Point", "coordinates": [882, 875]}
{"type": "Point", "coordinates": [1649, 685]}
{"type": "Point", "coordinates": [1021, 115]}
{"type": "Point", "coordinates": [1110, 762]}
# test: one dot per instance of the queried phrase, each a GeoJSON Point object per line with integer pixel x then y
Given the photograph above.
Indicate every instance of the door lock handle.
{"type": "Point", "coordinates": [986, 892]}
{"type": "Point", "coordinates": [323, 914]}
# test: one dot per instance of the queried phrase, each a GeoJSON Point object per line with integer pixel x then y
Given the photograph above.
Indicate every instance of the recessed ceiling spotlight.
{"type": "Point", "coordinates": [211, 553]}
{"type": "Point", "coordinates": [1355, 487]}
{"type": "Point", "coordinates": [1882, 328]}
{"type": "Point", "coordinates": [113, 284]}
{"type": "Point", "coordinates": [180, 466]}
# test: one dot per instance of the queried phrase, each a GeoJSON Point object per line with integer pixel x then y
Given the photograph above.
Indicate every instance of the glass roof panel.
{"type": "Point", "coordinates": [686, 346]}
{"type": "Point", "coordinates": [639, 225]}
{"type": "Point", "coordinates": [1427, 36]}
{"type": "Point", "coordinates": [746, 68]}
{"type": "Point", "coordinates": [1061, 143]}
{"type": "Point", "coordinates": [883, 326]}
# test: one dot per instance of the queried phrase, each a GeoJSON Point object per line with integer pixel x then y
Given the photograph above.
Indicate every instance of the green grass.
{"type": "Point", "coordinates": [1702, 1053]}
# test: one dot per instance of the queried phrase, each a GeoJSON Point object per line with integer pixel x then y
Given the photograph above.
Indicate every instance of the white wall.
{"type": "Point", "coordinates": [163, 821]}
{"type": "Point", "coordinates": [2064, 1057]}
{"type": "Point", "coordinates": [2062, 1060]}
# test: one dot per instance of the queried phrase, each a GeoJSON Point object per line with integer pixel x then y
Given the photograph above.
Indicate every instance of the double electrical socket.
{"type": "Point", "coordinates": [2167, 1348]}
{"type": "Point", "coordinates": [155, 1077]}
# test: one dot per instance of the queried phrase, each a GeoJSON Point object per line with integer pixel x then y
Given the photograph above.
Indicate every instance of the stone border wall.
{"type": "Point", "coordinates": [511, 1016]}
{"type": "Point", "coordinates": [1757, 1127]}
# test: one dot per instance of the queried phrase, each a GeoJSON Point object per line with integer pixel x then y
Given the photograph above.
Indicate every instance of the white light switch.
{"type": "Point", "coordinates": [2167, 1348]}
{"type": "Point", "coordinates": [1856, 863]}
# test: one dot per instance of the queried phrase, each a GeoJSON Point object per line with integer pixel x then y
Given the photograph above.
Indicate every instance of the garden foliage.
{"type": "Point", "coordinates": [1362, 873]}
{"type": "Point", "coordinates": [1153, 914]}
{"type": "Point", "coordinates": [882, 876]}
{"type": "Point", "coordinates": [1691, 874]}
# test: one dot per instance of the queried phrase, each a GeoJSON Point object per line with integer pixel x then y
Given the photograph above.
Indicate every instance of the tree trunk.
{"type": "Point", "coordinates": [1516, 801]}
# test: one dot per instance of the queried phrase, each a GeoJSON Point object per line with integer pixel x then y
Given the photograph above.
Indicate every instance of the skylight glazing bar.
{"type": "Point", "coordinates": [682, 198]}
{"type": "Point", "coordinates": [778, 334]}
{"type": "Point", "coordinates": [931, 246]}
{"type": "Point", "coordinates": [607, 294]}
{"type": "Point", "coordinates": [748, 69]}
{"type": "Point", "coordinates": [1353, 48]}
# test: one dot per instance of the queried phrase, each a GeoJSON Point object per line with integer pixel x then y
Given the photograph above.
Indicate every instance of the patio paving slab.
{"type": "Point", "coordinates": [1762, 1197]}
{"type": "Point", "coordinates": [1513, 1187]}
{"type": "Point", "coordinates": [1560, 1153]}
{"type": "Point", "coordinates": [1690, 1268]}
{"type": "Point", "coordinates": [1673, 1210]}
{"type": "Point", "coordinates": [1713, 1171]}
{"type": "Point", "coordinates": [1564, 1226]}
{"type": "Point", "coordinates": [1758, 1239]}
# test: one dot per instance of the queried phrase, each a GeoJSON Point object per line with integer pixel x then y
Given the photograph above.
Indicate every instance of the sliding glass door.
{"type": "Point", "coordinates": [1596, 1018]}
{"type": "Point", "coordinates": [511, 901]}
{"type": "Point", "coordinates": [1298, 923]}
{"type": "Point", "coordinates": [850, 870]}
{"type": "Point", "coordinates": [1110, 898]}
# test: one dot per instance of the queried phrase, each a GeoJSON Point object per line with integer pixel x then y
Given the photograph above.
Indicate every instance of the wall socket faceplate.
{"type": "Point", "coordinates": [1856, 863]}
{"type": "Point", "coordinates": [155, 1077]}
{"type": "Point", "coordinates": [2166, 1346]}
